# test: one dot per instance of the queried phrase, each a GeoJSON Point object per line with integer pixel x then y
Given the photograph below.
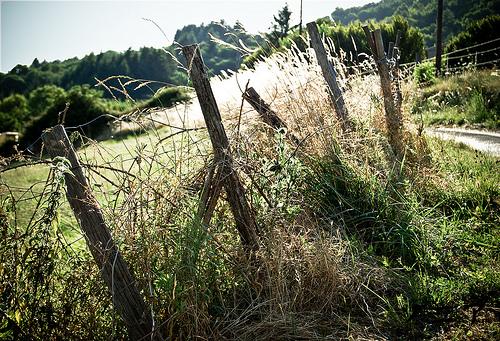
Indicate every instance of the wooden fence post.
{"type": "Point", "coordinates": [390, 50]}
{"type": "Point", "coordinates": [265, 112]}
{"type": "Point", "coordinates": [439, 36]}
{"type": "Point", "coordinates": [329, 74]}
{"type": "Point", "coordinates": [393, 117]}
{"type": "Point", "coordinates": [115, 272]}
{"type": "Point", "coordinates": [244, 218]}
{"type": "Point", "coordinates": [396, 55]}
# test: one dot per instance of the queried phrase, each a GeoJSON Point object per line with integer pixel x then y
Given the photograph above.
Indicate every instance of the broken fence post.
{"type": "Point", "coordinates": [329, 74]}
{"type": "Point", "coordinates": [265, 112]}
{"type": "Point", "coordinates": [126, 297]}
{"type": "Point", "coordinates": [244, 218]}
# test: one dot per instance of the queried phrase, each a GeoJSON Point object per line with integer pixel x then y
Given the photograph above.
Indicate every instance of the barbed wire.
{"type": "Point", "coordinates": [460, 50]}
{"type": "Point", "coordinates": [130, 117]}
{"type": "Point", "coordinates": [473, 46]}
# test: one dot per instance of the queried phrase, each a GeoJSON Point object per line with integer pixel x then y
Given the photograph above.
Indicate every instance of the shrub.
{"type": "Point", "coordinates": [85, 105]}
{"type": "Point", "coordinates": [44, 97]}
{"type": "Point", "coordinates": [425, 73]}
{"type": "Point", "coordinates": [14, 111]}
{"type": "Point", "coordinates": [167, 97]}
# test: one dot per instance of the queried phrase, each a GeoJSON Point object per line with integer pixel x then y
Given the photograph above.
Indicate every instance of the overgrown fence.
{"type": "Point", "coordinates": [131, 304]}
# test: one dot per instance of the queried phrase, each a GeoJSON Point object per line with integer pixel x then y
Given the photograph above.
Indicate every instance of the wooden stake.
{"type": "Point", "coordinates": [396, 55]}
{"type": "Point", "coordinates": [115, 272]}
{"type": "Point", "coordinates": [329, 74]}
{"type": "Point", "coordinates": [393, 117]}
{"type": "Point", "coordinates": [245, 221]}
{"type": "Point", "coordinates": [266, 114]}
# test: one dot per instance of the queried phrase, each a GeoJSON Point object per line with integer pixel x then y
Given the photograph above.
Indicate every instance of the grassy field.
{"type": "Point", "coordinates": [354, 244]}
{"type": "Point", "coordinates": [468, 99]}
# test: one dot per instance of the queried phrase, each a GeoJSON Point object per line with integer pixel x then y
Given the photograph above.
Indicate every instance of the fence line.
{"type": "Point", "coordinates": [460, 50]}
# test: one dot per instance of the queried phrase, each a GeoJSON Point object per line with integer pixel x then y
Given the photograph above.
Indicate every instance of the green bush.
{"type": "Point", "coordinates": [44, 97]}
{"type": "Point", "coordinates": [167, 97]}
{"type": "Point", "coordinates": [14, 111]}
{"type": "Point", "coordinates": [469, 98]}
{"type": "Point", "coordinates": [425, 73]}
{"type": "Point", "coordinates": [85, 105]}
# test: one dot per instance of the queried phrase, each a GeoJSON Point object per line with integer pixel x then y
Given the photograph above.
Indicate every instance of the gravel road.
{"type": "Point", "coordinates": [484, 141]}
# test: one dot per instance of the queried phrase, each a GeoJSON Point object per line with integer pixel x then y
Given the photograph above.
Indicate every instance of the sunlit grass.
{"type": "Point", "coordinates": [472, 98]}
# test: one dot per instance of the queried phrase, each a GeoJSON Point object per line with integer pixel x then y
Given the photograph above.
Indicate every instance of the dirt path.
{"type": "Point", "coordinates": [484, 141]}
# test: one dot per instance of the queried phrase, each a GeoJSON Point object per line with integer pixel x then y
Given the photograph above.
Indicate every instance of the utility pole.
{"type": "Point", "coordinates": [300, 24]}
{"type": "Point", "coordinates": [439, 37]}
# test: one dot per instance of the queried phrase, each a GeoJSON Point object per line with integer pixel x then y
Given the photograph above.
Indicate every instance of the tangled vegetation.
{"type": "Point", "coordinates": [471, 98]}
{"type": "Point", "coordinates": [352, 243]}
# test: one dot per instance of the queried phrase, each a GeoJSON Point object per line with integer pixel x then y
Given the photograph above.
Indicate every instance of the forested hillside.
{"type": "Point", "coordinates": [422, 14]}
{"type": "Point", "coordinates": [351, 46]}
{"type": "Point", "coordinates": [146, 64]}
{"type": "Point", "coordinates": [218, 56]}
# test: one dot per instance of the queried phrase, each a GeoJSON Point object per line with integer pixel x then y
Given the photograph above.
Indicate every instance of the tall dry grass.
{"type": "Point", "coordinates": [315, 278]}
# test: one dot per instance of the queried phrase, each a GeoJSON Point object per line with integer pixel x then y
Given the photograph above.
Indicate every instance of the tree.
{"type": "Point", "coordinates": [44, 97]}
{"type": "Point", "coordinates": [14, 112]}
{"type": "Point", "coordinates": [281, 26]}
{"type": "Point", "coordinates": [36, 63]}
{"type": "Point", "coordinates": [11, 84]}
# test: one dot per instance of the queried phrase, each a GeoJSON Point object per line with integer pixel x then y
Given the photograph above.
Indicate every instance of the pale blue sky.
{"type": "Point", "coordinates": [64, 29]}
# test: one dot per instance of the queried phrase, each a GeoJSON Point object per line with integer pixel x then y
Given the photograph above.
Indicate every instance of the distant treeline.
{"type": "Point", "coordinates": [31, 97]}
{"type": "Point", "coordinates": [422, 14]}
{"type": "Point", "coordinates": [145, 64]}
{"type": "Point", "coordinates": [349, 41]}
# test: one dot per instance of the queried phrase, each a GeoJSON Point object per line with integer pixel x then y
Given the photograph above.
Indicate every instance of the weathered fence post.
{"type": "Point", "coordinates": [393, 117]}
{"type": "Point", "coordinates": [245, 220]}
{"type": "Point", "coordinates": [329, 74]}
{"type": "Point", "coordinates": [126, 297]}
{"type": "Point", "coordinates": [439, 36]}
{"type": "Point", "coordinates": [265, 112]}
{"type": "Point", "coordinates": [396, 55]}
{"type": "Point", "coordinates": [390, 50]}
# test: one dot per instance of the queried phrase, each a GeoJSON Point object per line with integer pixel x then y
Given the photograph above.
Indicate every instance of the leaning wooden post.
{"type": "Point", "coordinates": [115, 272]}
{"type": "Point", "coordinates": [266, 114]}
{"type": "Point", "coordinates": [245, 221]}
{"type": "Point", "coordinates": [393, 117]}
{"type": "Point", "coordinates": [329, 74]}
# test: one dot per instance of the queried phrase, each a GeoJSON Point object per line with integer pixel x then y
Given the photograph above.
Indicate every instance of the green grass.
{"type": "Point", "coordinates": [27, 183]}
{"type": "Point", "coordinates": [432, 239]}
{"type": "Point", "coordinates": [353, 244]}
{"type": "Point", "coordinates": [472, 98]}
{"type": "Point", "coordinates": [458, 269]}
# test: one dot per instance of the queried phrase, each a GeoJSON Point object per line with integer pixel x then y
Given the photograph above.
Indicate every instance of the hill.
{"type": "Point", "coordinates": [422, 14]}
{"type": "Point", "coordinates": [146, 64]}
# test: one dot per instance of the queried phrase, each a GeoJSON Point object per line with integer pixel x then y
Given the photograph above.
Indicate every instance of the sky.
{"type": "Point", "coordinates": [50, 30]}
